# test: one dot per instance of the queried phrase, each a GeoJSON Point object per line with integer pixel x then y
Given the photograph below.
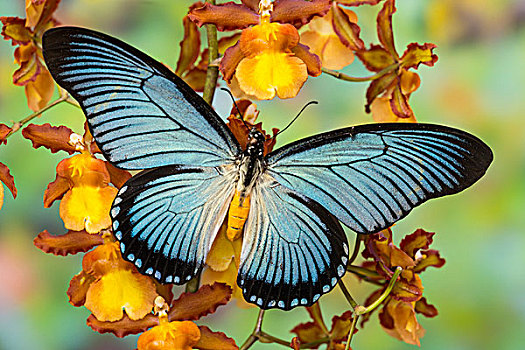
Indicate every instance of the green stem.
{"type": "Point", "coordinates": [347, 77]}
{"type": "Point", "coordinates": [315, 343]}
{"type": "Point", "coordinates": [351, 334]}
{"type": "Point", "coordinates": [384, 295]}
{"type": "Point", "coordinates": [361, 271]}
{"type": "Point", "coordinates": [357, 245]}
{"type": "Point", "coordinates": [256, 332]}
{"type": "Point", "coordinates": [212, 73]}
{"type": "Point", "coordinates": [348, 297]}
{"type": "Point", "coordinates": [18, 125]}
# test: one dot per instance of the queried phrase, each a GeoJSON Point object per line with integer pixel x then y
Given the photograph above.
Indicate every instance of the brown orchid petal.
{"type": "Point", "coordinates": [14, 29]}
{"type": "Point", "coordinates": [376, 58]}
{"type": "Point", "coordinates": [413, 242]}
{"type": "Point", "coordinates": [124, 326]}
{"type": "Point", "coordinates": [4, 131]}
{"type": "Point", "coordinates": [341, 327]}
{"type": "Point", "coordinates": [358, 2]}
{"type": "Point", "coordinates": [416, 54]}
{"type": "Point", "coordinates": [399, 103]}
{"type": "Point", "coordinates": [308, 332]}
{"type": "Point", "coordinates": [377, 87]}
{"type": "Point", "coordinates": [72, 242]}
{"type": "Point", "coordinates": [165, 291]}
{"type": "Point", "coordinates": [45, 14]}
{"type": "Point", "coordinates": [387, 255]}
{"type": "Point", "coordinates": [347, 30]}
{"type": "Point", "coordinates": [189, 46]}
{"type": "Point", "coordinates": [398, 319]}
{"type": "Point", "coordinates": [28, 71]}
{"type": "Point", "coordinates": [408, 288]}
{"type": "Point", "coordinates": [55, 190]}
{"type": "Point", "coordinates": [7, 179]}
{"type": "Point", "coordinates": [230, 61]}
{"type": "Point", "coordinates": [211, 340]}
{"type": "Point", "coordinates": [382, 112]}
{"type": "Point", "coordinates": [331, 52]}
{"type": "Point", "coordinates": [40, 91]}
{"type": "Point", "coordinates": [195, 78]}
{"type": "Point", "coordinates": [223, 44]}
{"type": "Point", "coordinates": [312, 61]}
{"type": "Point", "coordinates": [54, 138]}
{"type": "Point", "coordinates": [253, 4]}
{"type": "Point", "coordinates": [426, 309]}
{"type": "Point", "coordinates": [192, 306]}
{"type": "Point", "coordinates": [118, 176]}
{"type": "Point", "coordinates": [259, 39]}
{"type": "Point", "coordinates": [298, 12]}
{"type": "Point", "coordinates": [429, 258]}
{"type": "Point", "coordinates": [243, 106]}
{"type": "Point", "coordinates": [78, 288]}
{"type": "Point", "coordinates": [410, 81]}
{"type": "Point", "coordinates": [384, 27]}
{"type": "Point", "coordinates": [315, 313]}
{"type": "Point", "coordinates": [226, 16]}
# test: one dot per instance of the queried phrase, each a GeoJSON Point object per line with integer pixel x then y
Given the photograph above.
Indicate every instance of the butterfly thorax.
{"type": "Point", "coordinates": [250, 167]}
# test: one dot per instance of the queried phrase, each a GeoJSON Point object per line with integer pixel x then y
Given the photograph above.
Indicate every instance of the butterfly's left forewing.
{"type": "Point", "coordinates": [167, 218]}
{"type": "Point", "coordinates": [293, 249]}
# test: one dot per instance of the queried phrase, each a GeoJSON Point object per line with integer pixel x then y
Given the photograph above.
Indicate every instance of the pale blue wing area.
{"type": "Point", "coordinates": [167, 218]}
{"type": "Point", "coordinates": [370, 176]}
{"type": "Point", "coordinates": [293, 249]}
{"type": "Point", "coordinates": [140, 113]}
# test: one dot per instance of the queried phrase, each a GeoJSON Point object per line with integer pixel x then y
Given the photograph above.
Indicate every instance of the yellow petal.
{"type": "Point", "coordinates": [174, 335]}
{"type": "Point", "coordinates": [221, 252]}
{"type": "Point", "coordinates": [272, 73]}
{"type": "Point", "coordinates": [121, 290]}
{"type": "Point", "coordinates": [87, 207]}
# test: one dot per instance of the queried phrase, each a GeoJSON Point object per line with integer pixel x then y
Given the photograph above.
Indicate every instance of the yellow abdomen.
{"type": "Point", "coordinates": [237, 215]}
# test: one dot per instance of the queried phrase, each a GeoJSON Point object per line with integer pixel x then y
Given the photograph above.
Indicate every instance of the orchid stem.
{"type": "Point", "coordinates": [348, 297]}
{"type": "Point", "coordinates": [347, 77]}
{"type": "Point", "coordinates": [361, 271]}
{"type": "Point", "coordinates": [18, 125]}
{"type": "Point", "coordinates": [193, 285]}
{"type": "Point", "coordinates": [256, 332]}
{"type": "Point", "coordinates": [357, 245]}
{"type": "Point", "coordinates": [351, 333]}
{"type": "Point", "coordinates": [385, 293]}
{"type": "Point", "coordinates": [212, 73]}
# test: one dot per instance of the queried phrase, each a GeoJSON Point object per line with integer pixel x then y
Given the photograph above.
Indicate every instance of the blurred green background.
{"type": "Point", "coordinates": [477, 85]}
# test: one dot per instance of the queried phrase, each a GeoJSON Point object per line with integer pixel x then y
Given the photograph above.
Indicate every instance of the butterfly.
{"type": "Point", "coordinates": [288, 204]}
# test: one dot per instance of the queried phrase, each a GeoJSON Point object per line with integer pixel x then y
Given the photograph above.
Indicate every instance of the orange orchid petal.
{"type": "Point", "coordinates": [268, 36]}
{"type": "Point", "coordinates": [4, 131]}
{"type": "Point", "coordinates": [123, 327]}
{"type": "Point", "coordinates": [39, 13]}
{"type": "Point", "coordinates": [341, 327]}
{"type": "Point", "coordinates": [410, 81]}
{"type": "Point", "coordinates": [382, 112]}
{"type": "Point", "coordinates": [14, 29]}
{"type": "Point", "coordinates": [55, 190]}
{"type": "Point", "coordinates": [28, 71]}
{"type": "Point", "coordinates": [72, 242]}
{"type": "Point", "coordinates": [7, 179]}
{"type": "Point", "coordinates": [51, 137]}
{"type": "Point", "coordinates": [78, 288]}
{"type": "Point", "coordinates": [118, 176]}
{"type": "Point", "coordinates": [399, 102]}
{"type": "Point", "coordinates": [87, 207]}
{"type": "Point", "coordinates": [398, 319]}
{"type": "Point", "coordinates": [298, 12]}
{"type": "Point", "coordinates": [229, 276]}
{"type": "Point", "coordinates": [384, 27]}
{"type": "Point", "coordinates": [40, 91]}
{"type": "Point", "coordinates": [105, 258]}
{"type": "Point", "coordinates": [227, 16]}
{"type": "Point", "coordinates": [416, 54]}
{"type": "Point", "coordinates": [192, 306]}
{"type": "Point", "coordinates": [221, 252]}
{"type": "Point", "coordinates": [272, 73]}
{"type": "Point", "coordinates": [118, 291]}
{"type": "Point", "coordinates": [189, 46]}
{"type": "Point", "coordinates": [230, 61]}
{"type": "Point", "coordinates": [210, 340]}
{"type": "Point", "coordinates": [173, 335]}
{"type": "Point", "coordinates": [34, 10]}
{"type": "Point", "coordinates": [312, 61]}
{"type": "Point", "coordinates": [332, 53]}
{"type": "Point", "coordinates": [346, 28]}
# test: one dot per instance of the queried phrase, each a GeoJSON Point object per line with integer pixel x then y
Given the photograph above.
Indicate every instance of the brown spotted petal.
{"type": "Point", "coordinates": [78, 288]}
{"type": "Point", "coordinates": [346, 29]}
{"type": "Point", "coordinates": [72, 242]}
{"type": "Point", "coordinates": [7, 179]}
{"type": "Point", "coordinates": [377, 87]}
{"type": "Point", "coordinates": [29, 69]}
{"type": "Point", "coordinates": [376, 58]}
{"type": "Point", "coordinates": [4, 131]}
{"type": "Point", "coordinates": [230, 61]}
{"type": "Point", "coordinates": [54, 138]}
{"type": "Point", "coordinates": [14, 29]}
{"type": "Point", "coordinates": [211, 340]}
{"type": "Point", "coordinates": [398, 319]}
{"type": "Point", "coordinates": [416, 54]}
{"type": "Point", "coordinates": [189, 46]}
{"type": "Point", "coordinates": [39, 13]}
{"type": "Point", "coordinates": [341, 327]}
{"type": "Point", "coordinates": [429, 258]}
{"type": "Point", "coordinates": [196, 78]}
{"type": "Point", "coordinates": [358, 2]}
{"type": "Point", "coordinates": [384, 27]}
{"type": "Point", "coordinates": [413, 242]}
{"type": "Point", "coordinates": [399, 102]}
{"type": "Point", "coordinates": [298, 12]}
{"type": "Point", "coordinates": [226, 16]}
{"type": "Point", "coordinates": [426, 309]}
{"type": "Point", "coordinates": [308, 332]}
{"type": "Point", "coordinates": [408, 288]}
{"type": "Point", "coordinates": [56, 190]}
{"type": "Point", "coordinates": [192, 306]}
{"type": "Point", "coordinates": [124, 326]}
{"type": "Point", "coordinates": [312, 61]}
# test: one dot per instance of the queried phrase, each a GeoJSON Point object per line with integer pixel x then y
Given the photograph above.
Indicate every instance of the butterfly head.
{"type": "Point", "coordinates": [255, 145]}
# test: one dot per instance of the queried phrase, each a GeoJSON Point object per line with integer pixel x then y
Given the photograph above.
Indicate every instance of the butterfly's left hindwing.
{"type": "Point", "coordinates": [167, 218]}
{"type": "Point", "coordinates": [293, 249]}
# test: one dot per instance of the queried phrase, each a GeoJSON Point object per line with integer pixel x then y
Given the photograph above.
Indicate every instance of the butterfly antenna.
{"type": "Point", "coordinates": [236, 107]}
{"type": "Point", "coordinates": [297, 116]}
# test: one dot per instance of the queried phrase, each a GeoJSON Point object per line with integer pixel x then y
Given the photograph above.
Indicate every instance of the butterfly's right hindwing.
{"type": "Point", "coordinates": [167, 218]}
